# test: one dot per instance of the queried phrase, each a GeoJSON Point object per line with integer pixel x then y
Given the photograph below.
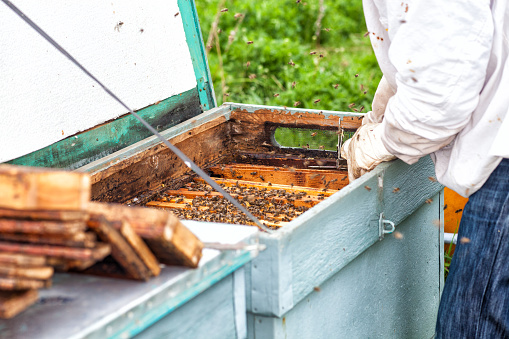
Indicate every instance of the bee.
{"type": "Point", "coordinates": [336, 86]}
{"type": "Point", "coordinates": [254, 173]}
{"type": "Point", "coordinates": [356, 75]}
{"type": "Point", "coordinates": [224, 10]}
{"type": "Point", "coordinates": [317, 289]}
{"type": "Point", "coordinates": [306, 163]}
{"type": "Point", "coordinates": [252, 76]}
{"type": "Point", "coordinates": [313, 134]}
{"type": "Point", "coordinates": [414, 79]}
{"type": "Point", "coordinates": [464, 240]}
{"type": "Point", "coordinates": [291, 169]}
{"type": "Point", "coordinates": [262, 177]}
{"type": "Point", "coordinates": [312, 53]}
{"type": "Point", "coordinates": [327, 29]}
{"type": "Point", "coordinates": [276, 95]}
{"type": "Point", "coordinates": [248, 64]}
{"type": "Point", "coordinates": [351, 105]}
{"type": "Point", "coordinates": [142, 30]}
{"type": "Point", "coordinates": [313, 176]}
{"type": "Point", "coordinates": [365, 92]}
{"type": "Point", "coordinates": [445, 206]}
{"type": "Point", "coordinates": [118, 25]}
{"type": "Point", "coordinates": [297, 103]}
{"type": "Point", "coordinates": [395, 190]}
{"type": "Point", "coordinates": [238, 15]}
{"type": "Point", "coordinates": [428, 201]}
{"type": "Point", "coordinates": [316, 101]}
{"type": "Point", "coordinates": [270, 184]}
{"type": "Point", "coordinates": [176, 14]}
{"type": "Point", "coordinates": [226, 94]}
{"type": "Point", "coordinates": [294, 84]}
{"type": "Point", "coordinates": [302, 156]}
{"type": "Point", "coordinates": [321, 147]}
{"type": "Point", "coordinates": [291, 63]}
{"type": "Point", "coordinates": [362, 87]}
{"type": "Point", "coordinates": [367, 187]}
{"type": "Point", "coordinates": [432, 179]}
{"type": "Point", "coordinates": [457, 211]}
{"type": "Point", "coordinates": [361, 109]}
{"type": "Point", "coordinates": [298, 1]}
{"type": "Point", "coordinates": [249, 42]}
{"type": "Point", "coordinates": [321, 55]}
{"type": "Point", "coordinates": [366, 34]}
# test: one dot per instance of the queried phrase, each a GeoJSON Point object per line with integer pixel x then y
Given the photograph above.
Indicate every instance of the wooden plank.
{"type": "Point", "coordinates": [158, 165]}
{"type": "Point", "coordinates": [43, 189]}
{"type": "Point", "coordinates": [41, 226]}
{"type": "Point", "coordinates": [37, 273]}
{"type": "Point", "coordinates": [352, 122]}
{"type": "Point", "coordinates": [44, 215]}
{"type": "Point", "coordinates": [13, 303]}
{"type": "Point", "coordinates": [79, 239]}
{"type": "Point", "coordinates": [324, 179]}
{"type": "Point", "coordinates": [311, 191]}
{"type": "Point", "coordinates": [121, 251]}
{"type": "Point", "coordinates": [24, 260]}
{"type": "Point", "coordinates": [97, 253]}
{"type": "Point", "coordinates": [171, 242]}
{"type": "Point", "coordinates": [107, 138]}
{"type": "Point", "coordinates": [18, 284]}
{"type": "Point", "coordinates": [141, 249]}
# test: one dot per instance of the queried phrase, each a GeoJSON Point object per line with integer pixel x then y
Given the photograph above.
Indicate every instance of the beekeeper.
{"type": "Point", "coordinates": [445, 92]}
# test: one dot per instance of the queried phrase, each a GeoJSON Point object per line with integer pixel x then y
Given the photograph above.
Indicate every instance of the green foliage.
{"type": "Point", "coordinates": [283, 31]}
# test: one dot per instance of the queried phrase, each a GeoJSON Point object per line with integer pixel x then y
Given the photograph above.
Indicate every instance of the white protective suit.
{"type": "Point", "coordinates": [447, 62]}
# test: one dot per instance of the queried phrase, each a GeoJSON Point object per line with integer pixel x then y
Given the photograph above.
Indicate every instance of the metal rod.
{"type": "Point", "coordinates": [189, 163]}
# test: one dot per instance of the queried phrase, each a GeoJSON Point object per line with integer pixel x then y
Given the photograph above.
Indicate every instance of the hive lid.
{"type": "Point", "coordinates": [149, 54]}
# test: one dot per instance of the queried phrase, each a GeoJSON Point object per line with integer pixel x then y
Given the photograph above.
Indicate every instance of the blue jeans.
{"type": "Point", "coordinates": [475, 301]}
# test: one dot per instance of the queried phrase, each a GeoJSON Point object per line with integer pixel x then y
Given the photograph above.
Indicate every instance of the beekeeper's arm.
{"type": "Point", "coordinates": [440, 52]}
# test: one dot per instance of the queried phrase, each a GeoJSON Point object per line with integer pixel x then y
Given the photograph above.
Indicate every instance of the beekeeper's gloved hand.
{"type": "Point", "coordinates": [365, 150]}
{"type": "Point", "coordinates": [383, 93]}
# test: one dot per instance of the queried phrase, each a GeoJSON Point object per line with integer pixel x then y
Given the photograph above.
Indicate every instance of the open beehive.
{"type": "Point", "coordinates": [274, 182]}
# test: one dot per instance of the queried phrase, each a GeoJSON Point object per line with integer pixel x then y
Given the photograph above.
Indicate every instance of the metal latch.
{"type": "Point", "coordinates": [382, 228]}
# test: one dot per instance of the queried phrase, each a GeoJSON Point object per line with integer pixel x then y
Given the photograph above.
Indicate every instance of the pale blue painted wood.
{"type": "Point", "coordinates": [389, 291]}
{"type": "Point", "coordinates": [333, 233]}
{"type": "Point", "coordinates": [197, 50]}
{"type": "Point", "coordinates": [210, 315]}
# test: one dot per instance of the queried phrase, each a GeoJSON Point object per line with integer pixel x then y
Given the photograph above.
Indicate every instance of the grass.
{"type": "Point", "coordinates": [311, 55]}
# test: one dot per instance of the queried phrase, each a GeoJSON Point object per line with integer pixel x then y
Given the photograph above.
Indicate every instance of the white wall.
{"type": "Point", "coordinates": [45, 98]}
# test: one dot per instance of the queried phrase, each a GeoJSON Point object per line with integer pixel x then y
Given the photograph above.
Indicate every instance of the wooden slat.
{"type": "Point", "coordinates": [38, 273]}
{"type": "Point", "coordinates": [32, 188]}
{"type": "Point", "coordinates": [44, 215]}
{"type": "Point", "coordinates": [311, 191]}
{"type": "Point", "coordinates": [141, 249]}
{"type": "Point", "coordinates": [41, 227]}
{"type": "Point", "coordinates": [121, 251]}
{"type": "Point", "coordinates": [351, 122]}
{"type": "Point", "coordinates": [79, 239]}
{"type": "Point", "coordinates": [24, 260]}
{"type": "Point", "coordinates": [334, 180]}
{"type": "Point", "coordinates": [171, 242]}
{"type": "Point", "coordinates": [97, 253]}
{"type": "Point", "coordinates": [12, 303]}
{"type": "Point", "coordinates": [18, 284]}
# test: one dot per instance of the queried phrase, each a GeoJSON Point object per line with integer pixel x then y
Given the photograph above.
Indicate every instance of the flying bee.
{"type": "Point", "coordinates": [336, 86]}
{"type": "Point", "coordinates": [321, 147]}
{"type": "Point", "coordinates": [327, 29]}
{"type": "Point", "coordinates": [176, 14]}
{"type": "Point", "coordinates": [276, 95]}
{"type": "Point", "coordinates": [356, 75]}
{"type": "Point", "coordinates": [238, 15]}
{"type": "Point", "coordinates": [118, 25]}
{"type": "Point", "coordinates": [297, 103]}
{"type": "Point", "coordinates": [252, 76]}
{"type": "Point", "coordinates": [248, 64]}
{"type": "Point", "coordinates": [224, 10]}
{"type": "Point", "coordinates": [249, 42]}
{"type": "Point", "coordinates": [432, 179]}
{"type": "Point", "coordinates": [226, 94]}
{"type": "Point", "coordinates": [361, 109]}
{"type": "Point", "coordinates": [313, 134]}
{"type": "Point", "coordinates": [312, 53]}
{"type": "Point", "coordinates": [321, 55]}
{"type": "Point", "coordinates": [351, 105]}
{"type": "Point", "coordinates": [316, 101]}
{"type": "Point", "coordinates": [294, 84]}
{"type": "Point", "coordinates": [428, 201]}
{"type": "Point", "coordinates": [395, 190]}
{"type": "Point", "coordinates": [262, 177]}
{"type": "Point", "coordinates": [367, 187]}
{"type": "Point", "coordinates": [291, 63]}
{"type": "Point", "coordinates": [366, 34]}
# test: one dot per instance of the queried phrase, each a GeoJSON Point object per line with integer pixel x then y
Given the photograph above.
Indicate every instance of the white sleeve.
{"type": "Point", "coordinates": [440, 51]}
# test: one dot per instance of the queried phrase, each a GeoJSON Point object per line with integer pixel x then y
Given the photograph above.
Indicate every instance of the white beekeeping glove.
{"type": "Point", "coordinates": [382, 95]}
{"type": "Point", "coordinates": [365, 150]}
